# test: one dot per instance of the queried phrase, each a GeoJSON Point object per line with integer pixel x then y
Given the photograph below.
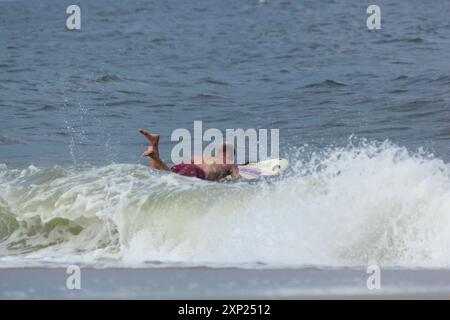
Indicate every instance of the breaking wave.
{"type": "Point", "coordinates": [365, 203]}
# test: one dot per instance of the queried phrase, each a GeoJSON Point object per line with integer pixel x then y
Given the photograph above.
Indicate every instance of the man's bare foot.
{"type": "Point", "coordinates": [150, 153]}
{"type": "Point", "coordinates": [153, 140]}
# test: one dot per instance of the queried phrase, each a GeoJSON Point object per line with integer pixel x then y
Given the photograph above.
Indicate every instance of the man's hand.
{"type": "Point", "coordinates": [235, 172]}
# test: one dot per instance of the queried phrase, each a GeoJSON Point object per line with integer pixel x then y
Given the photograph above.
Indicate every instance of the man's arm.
{"type": "Point", "coordinates": [235, 172]}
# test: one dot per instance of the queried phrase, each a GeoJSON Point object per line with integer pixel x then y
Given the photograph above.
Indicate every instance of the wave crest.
{"type": "Point", "coordinates": [365, 203]}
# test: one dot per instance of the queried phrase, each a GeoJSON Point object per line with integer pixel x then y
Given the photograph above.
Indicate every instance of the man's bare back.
{"type": "Point", "coordinates": [210, 168]}
{"type": "Point", "coordinates": [215, 168]}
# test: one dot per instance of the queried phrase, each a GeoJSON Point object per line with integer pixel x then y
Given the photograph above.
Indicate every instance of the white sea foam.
{"type": "Point", "coordinates": [369, 203]}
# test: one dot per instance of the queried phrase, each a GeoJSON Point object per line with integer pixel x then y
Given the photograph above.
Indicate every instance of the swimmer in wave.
{"type": "Point", "coordinates": [206, 168]}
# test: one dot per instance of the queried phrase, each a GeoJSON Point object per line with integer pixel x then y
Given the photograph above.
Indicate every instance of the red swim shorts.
{"type": "Point", "coordinates": [188, 170]}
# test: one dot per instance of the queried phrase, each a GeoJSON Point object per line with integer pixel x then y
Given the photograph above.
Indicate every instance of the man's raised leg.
{"type": "Point", "coordinates": [153, 151]}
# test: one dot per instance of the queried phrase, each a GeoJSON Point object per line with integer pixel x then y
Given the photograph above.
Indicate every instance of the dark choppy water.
{"type": "Point", "coordinates": [310, 68]}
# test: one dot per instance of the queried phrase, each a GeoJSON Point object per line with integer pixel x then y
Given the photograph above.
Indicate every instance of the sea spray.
{"type": "Point", "coordinates": [366, 202]}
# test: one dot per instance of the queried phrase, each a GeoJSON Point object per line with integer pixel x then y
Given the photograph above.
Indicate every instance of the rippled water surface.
{"type": "Point", "coordinates": [310, 68]}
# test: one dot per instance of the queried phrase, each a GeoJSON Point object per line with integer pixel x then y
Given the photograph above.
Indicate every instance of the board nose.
{"type": "Point", "coordinates": [276, 168]}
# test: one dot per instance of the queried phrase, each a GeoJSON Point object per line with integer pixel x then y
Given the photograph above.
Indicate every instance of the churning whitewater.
{"type": "Point", "coordinates": [365, 203]}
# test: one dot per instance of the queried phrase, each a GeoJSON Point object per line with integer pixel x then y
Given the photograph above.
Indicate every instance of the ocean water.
{"type": "Point", "coordinates": [363, 118]}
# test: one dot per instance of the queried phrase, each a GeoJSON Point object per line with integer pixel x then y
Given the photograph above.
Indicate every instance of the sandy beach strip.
{"type": "Point", "coordinates": [225, 283]}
